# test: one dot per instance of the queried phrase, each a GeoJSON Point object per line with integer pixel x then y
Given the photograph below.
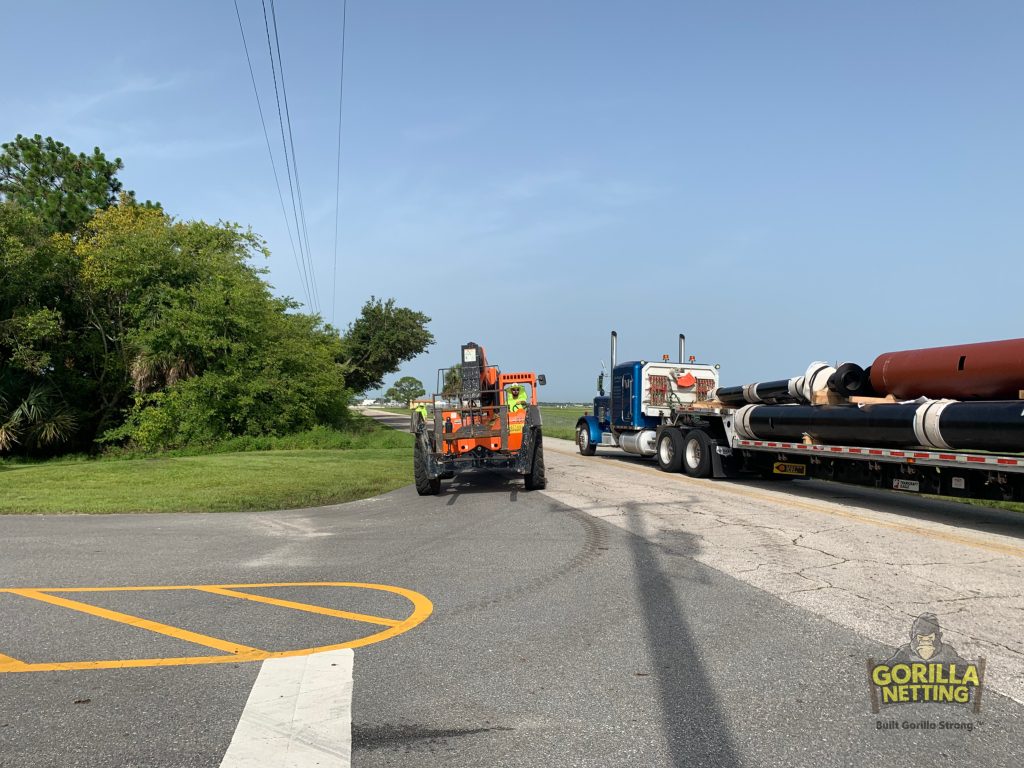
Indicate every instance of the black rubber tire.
{"type": "Point", "coordinates": [697, 453]}
{"type": "Point", "coordinates": [583, 441]}
{"type": "Point", "coordinates": [425, 485]}
{"type": "Point", "coordinates": [670, 450]}
{"type": "Point", "coordinates": [537, 479]}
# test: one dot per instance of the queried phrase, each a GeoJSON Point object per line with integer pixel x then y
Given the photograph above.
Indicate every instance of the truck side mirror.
{"type": "Point", "coordinates": [542, 379]}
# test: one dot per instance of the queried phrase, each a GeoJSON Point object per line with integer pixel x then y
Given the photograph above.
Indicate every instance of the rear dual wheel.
{"type": "Point", "coordinates": [670, 450]}
{"type": "Point", "coordinates": [697, 453]}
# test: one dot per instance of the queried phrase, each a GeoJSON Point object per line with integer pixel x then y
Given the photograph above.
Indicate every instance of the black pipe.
{"type": "Point", "coordinates": [781, 391]}
{"type": "Point", "coordinates": [935, 424]}
{"type": "Point", "coordinates": [888, 425]}
{"type": "Point", "coordinates": [851, 380]}
{"type": "Point", "coordinates": [992, 425]}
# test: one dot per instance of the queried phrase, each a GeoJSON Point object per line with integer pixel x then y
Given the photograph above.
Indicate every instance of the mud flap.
{"type": "Point", "coordinates": [723, 463]}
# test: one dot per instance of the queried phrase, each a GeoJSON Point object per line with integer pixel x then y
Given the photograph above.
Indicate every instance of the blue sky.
{"type": "Point", "coordinates": [782, 181]}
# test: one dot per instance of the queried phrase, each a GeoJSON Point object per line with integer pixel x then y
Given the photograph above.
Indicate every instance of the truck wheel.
{"type": "Point", "coordinates": [670, 450]}
{"type": "Point", "coordinates": [536, 479]}
{"type": "Point", "coordinates": [587, 448]}
{"type": "Point", "coordinates": [697, 453]}
{"type": "Point", "coordinates": [425, 485]}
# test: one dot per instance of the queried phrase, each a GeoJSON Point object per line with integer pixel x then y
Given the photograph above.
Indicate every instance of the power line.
{"type": "Point", "coordinates": [337, 182]}
{"type": "Point", "coordinates": [295, 161]}
{"type": "Point", "coordinates": [307, 260]}
{"type": "Point", "coordinates": [270, 152]}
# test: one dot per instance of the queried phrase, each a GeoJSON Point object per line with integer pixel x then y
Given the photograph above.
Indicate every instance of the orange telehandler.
{"type": "Point", "coordinates": [476, 424]}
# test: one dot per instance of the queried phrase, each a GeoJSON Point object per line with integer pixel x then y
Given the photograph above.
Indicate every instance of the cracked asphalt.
{"type": "Point", "coordinates": [868, 560]}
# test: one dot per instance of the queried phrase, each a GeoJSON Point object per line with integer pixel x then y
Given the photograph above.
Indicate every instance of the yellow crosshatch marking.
{"type": "Point", "coordinates": [233, 652]}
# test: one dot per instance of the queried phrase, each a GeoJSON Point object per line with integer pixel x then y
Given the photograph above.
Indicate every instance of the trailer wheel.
{"type": "Point", "coordinates": [697, 453]}
{"type": "Point", "coordinates": [536, 479]}
{"type": "Point", "coordinates": [425, 485]}
{"type": "Point", "coordinates": [670, 451]}
{"type": "Point", "coordinates": [583, 442]}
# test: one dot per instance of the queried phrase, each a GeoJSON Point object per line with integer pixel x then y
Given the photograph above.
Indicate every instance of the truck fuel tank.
{"type": "Point", "coordinates": [639, 443]}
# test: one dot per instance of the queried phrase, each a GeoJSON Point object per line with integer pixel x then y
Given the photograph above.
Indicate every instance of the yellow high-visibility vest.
{"type": "Point", "coordinates": [515, 402]}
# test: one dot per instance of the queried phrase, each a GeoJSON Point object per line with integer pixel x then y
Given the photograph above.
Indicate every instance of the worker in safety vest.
{"type": "Point", "coordinates": [421, 409]}
{"type": "Point", "coordinates": [515, 398]}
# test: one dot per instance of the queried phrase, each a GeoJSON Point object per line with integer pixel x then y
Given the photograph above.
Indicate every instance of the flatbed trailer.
{"type": "Point", "coordinates": [702, 438]}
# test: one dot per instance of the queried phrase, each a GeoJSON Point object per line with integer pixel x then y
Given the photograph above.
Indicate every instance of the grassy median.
{"type": "Point", "coordinates": [322, 467]}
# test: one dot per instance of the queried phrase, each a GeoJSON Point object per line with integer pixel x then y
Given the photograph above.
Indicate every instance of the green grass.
{"type": "Point", "coordinates": [309, 469]}
{"type": "Point", "coordinates": [561, 422]}
{"type": "Point", "coordinates": [1012, 506]}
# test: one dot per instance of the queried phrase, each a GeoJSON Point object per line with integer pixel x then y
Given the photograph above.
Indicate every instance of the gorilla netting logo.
{"type": "Point", "coordinates": [926, 670]}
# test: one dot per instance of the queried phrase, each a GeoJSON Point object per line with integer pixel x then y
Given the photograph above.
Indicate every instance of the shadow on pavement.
{"type": "Point", "coordinates": [695, 730]}
{"type": "Point", "coordinates": [482, 482]}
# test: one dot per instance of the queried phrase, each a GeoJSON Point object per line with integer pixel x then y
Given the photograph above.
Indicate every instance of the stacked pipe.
{"type": "Point", "coordinates": [937, 424]}
{"type": "Point", "coordinates": [992, 370]}
{"type": "Point", "coordinates": [799, 389]}
{"type": "Point", "coordinates": [989, 376]}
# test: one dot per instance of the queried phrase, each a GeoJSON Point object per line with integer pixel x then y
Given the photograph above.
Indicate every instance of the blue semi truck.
{"type": "Point", "coordinates": [669, 411]}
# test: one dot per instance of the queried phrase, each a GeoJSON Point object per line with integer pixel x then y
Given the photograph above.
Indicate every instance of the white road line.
{"type": "Point", "coordinates": [299, 715]}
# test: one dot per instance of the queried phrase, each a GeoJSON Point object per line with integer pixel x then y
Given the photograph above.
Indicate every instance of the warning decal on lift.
{"type": "Point", "coordinates": [785, 468]}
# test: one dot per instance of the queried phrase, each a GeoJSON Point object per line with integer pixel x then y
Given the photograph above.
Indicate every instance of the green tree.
{"type": "Point", "coordinates": [64, 188]}
{"type": "Point", "coordinates": [380, 340]}
{"type": "Point", "coordinates": [405, 390]}
{"type": "Point", "coordinates": [452, 386]}
{"type": "Point", "coordinates": [38, 315]}
{"type": "Point", "coordinates": [119, 323]}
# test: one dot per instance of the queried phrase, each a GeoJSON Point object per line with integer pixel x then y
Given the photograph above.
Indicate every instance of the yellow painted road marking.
{"type": "Point", "coordinates": [301, 606]}
{"type": "Point", "coordinates": [10, 664]}
{"type": "Point", "coordinates": [135, 621]}
{"type": "Point", "coordinates": [422, 608]}
{"type": "Point", "coordinates": [1003, 549]}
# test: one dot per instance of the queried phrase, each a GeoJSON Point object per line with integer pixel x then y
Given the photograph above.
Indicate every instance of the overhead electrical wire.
{"type": "Point", "coordinates": [295, 162]}
{"type": "Point", "coordinates": [270, 152]}
{"type": "Point", "coordinates": [300, 228]}
{"type": "Point", "coordinates": [337, 182]}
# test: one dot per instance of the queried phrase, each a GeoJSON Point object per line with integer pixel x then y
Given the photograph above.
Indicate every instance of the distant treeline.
{"type": "Point", "coordinates": [122, 325]}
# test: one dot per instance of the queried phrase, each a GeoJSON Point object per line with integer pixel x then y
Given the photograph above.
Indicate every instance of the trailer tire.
{"type": "Point", "coordinates": [536, 479]}
{"type": "Point", "coordinates": [425, 485]}
{"type": "Point", "coordinates": [670, 451]}
{"type": "Point", "coordinates": [583, 441]}
{"type": "Point", "coordinates": [696, 453]}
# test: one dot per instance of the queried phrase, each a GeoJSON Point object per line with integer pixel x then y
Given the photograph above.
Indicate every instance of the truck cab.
{"type": "Point", "coordinates": [642, 396]}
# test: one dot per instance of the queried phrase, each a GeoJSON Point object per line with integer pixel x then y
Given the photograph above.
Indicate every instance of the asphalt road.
{"type": "Point", "coordinates": [561, 635]}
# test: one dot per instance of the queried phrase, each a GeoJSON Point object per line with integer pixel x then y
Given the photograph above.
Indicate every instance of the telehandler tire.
{"type": "Point", "coordinates": [536, 479]}
{"type": "Point", "coordinates": [425, 485]}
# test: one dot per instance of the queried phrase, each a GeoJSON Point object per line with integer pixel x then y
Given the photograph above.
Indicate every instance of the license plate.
{"type": "Point", "coordinates": [906, 485]}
